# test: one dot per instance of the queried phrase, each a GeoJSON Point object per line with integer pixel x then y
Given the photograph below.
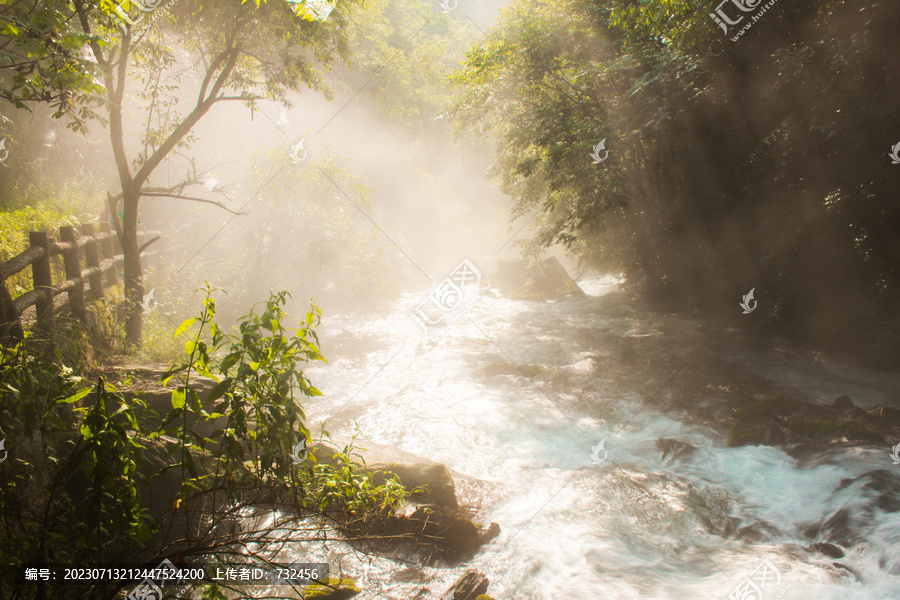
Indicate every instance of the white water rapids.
{"type": "Point", "coordinates": [572, 529]}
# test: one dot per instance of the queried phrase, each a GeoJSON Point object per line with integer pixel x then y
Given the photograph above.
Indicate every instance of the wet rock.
{"type": "Point", "coordinates": [751, 534]}
{"type": "Point", "coordinates": [331, 588]}
{"type": "Point", "coordinates": [490, 533]}
{"type": "Point", "coordinates": [426, 482]}
{"type": "Point", "coordinates": [843, 403]}
{"type": "Point", "coordinates": [786, 422]}
{"type": "Point", "coordinates": [469, 586]}
{"type": "Point", "coordinates": [433, 478]}
{"type": "Point", "coordinates": [827, 549]}
{"type": "Point", "coordinates": [454, 534]}
{"type": "Point", "coordinates": [878, 492]}
{"type": "Point", "coordinates": [712, 508]}
{"type": "Point", "coordinates": [672, 448]}
{"type": "Point", "coordinates": [546, 280]}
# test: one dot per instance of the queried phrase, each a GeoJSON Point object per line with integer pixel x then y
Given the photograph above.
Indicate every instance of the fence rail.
{"type": "Point", "coordinates": [91, 258]}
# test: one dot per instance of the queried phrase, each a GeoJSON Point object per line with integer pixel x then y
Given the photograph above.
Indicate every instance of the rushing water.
{"type": "Point", "coordinates": [572, 529]}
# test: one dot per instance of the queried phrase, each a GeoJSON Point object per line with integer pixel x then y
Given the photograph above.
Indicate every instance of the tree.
{"type": "Point", "coordinates": [240, 52]}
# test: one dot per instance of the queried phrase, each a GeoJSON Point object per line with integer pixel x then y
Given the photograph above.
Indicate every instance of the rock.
{"type": "Point", "coordinates": [713, 507]}
{"type": "Point", "coordinates": [674, 448]}
{"type": "Point", "coordinates": [546, 280]}
{"type": "Point", "coordinates": [433, 478]}
{"type": "Point", "coordinates": [843, 403]}
{"type": "Point", "coordinates": [484, 597]}
{"type": "Point", "coordinates": [452, 533]}
{"type": "Point", "coordinates": [469, 586]}
{"type": "Point", "coordinates": [492, 531]}
{"type": "Point", "coordinates": [799, 426]}
{"type": "Point", "coordinates": [461, 536]}
{"type": "Point", "coordinates": [827, 549]}
{"type": "Point", "coordinates": [331, 588]}
{"type": "Point", "coordinates": [877, 492]}
{"type": "Point", "coordinates": [413, 471]}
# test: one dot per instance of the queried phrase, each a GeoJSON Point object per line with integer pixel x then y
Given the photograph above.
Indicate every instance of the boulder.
{"type": "Point", "coordinates": [453, 534]}
{"type": "Point", "coordinates": [781, 421]}
{"type": "Point", "coordinates": [433, 518]}
{"type": "Point", "coordinates": [429, 482]}
{"type": "Point", "coordinates": [843, 403]}
{"type": "Point", "coordinates": [546, 280]}
{"type": "Point", "coordinates": [469, 586]}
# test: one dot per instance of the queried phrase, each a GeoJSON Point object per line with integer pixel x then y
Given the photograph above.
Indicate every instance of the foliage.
{"type": "Point", "coordinates": [254, 390]}
{"type": "Point", "coordinates": [14, 228]}
{"type": "Point", "coordinates": [41, 61]}
{"type": "Point", "coordinates": [82, 456]}
{"type": "Point", "coordinates": [69, 490]}
{"type": "Point", "coordinates": [726, 159]}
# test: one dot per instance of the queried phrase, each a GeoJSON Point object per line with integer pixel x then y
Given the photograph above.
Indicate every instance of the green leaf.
{"type": "Point", "coordinates": [184, 326]}
{"type": "Point", "coordinates": [219, 390]}
{"type": "Point", "coordinates": [229, 361]}
{"type": "Point", "coordinates": [179, 396]}
{"type": "Point", "coordinates": [76, 396]}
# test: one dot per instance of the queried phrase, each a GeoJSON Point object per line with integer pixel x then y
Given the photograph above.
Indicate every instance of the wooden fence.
{"type": "Point", "coordinates": [96, 248]}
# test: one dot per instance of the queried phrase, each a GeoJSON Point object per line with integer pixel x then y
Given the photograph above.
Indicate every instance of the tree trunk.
{"type": "Point", "coordinates": [134, 287]}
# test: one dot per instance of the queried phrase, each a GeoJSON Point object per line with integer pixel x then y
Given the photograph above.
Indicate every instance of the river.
{"type": "Point", "coordinates": [619, 522]}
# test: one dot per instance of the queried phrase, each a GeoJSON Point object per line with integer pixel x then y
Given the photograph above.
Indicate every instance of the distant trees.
{"type": "Point", "coordinates": [760, 162]}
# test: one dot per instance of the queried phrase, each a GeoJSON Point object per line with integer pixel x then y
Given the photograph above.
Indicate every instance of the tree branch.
{"type": "Point", "coordinates": [192, 199]}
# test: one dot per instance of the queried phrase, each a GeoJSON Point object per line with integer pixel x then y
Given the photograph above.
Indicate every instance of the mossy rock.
{"type": "Point", "coordinates": [814, 428]}
{"type": "Point", "coordinates": [757, 423]}
{"type": "Point", "coordinates": [335, 589]}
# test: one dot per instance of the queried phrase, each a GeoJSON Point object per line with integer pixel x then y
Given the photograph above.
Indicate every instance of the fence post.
{"type": "Point", "coordinates": [43, 280]}
{"type": "Point", "coordinates": [109, 251]}
{"type": "Point", "coordinates": [92, 260]}
{"type": "Point", "coordinates": [72, 264]}
{"type": "Point", "coordinates": [10, 327]}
